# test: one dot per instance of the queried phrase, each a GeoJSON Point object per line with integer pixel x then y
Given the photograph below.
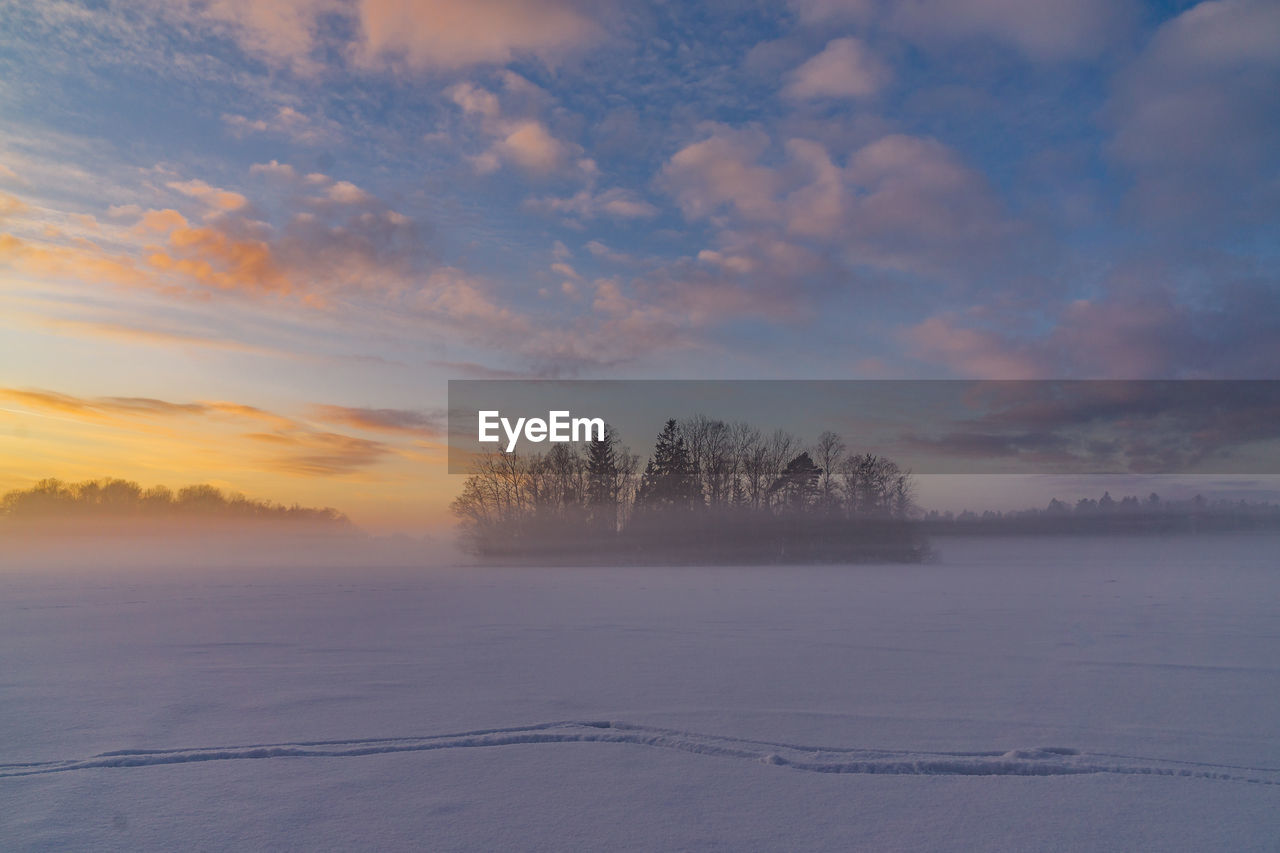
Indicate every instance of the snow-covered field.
{"type": "Point", "coordinates": [1016, 695]}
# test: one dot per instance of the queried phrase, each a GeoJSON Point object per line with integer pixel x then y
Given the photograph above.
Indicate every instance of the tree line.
{"type": "Point", "coordinates": [124, 499]}
{"type": "Point", "coordinates": [1129, 514]}
{"type": "Point", "coordinates": [709, 491]}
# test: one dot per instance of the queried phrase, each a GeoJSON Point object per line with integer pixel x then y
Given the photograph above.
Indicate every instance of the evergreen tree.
{"type": "Point", "coordinates": [670, 480]}
{"type": "Point", "coordinates": [797, 486]}
{"type": "Point", "coordinates": [603, 481]}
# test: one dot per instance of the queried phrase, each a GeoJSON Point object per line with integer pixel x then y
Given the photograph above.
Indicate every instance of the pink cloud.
{"type": "Point", "coordinates": [1134, 331]}
{"type": "Point", "coordinates": [844, 69]}
{"type": "Point", "coordinates": [1195, 115]}
{"type": "Point", "coordinates": [901, 202]}
{"type": "Point", "coordinates": [1045, 30]}
{"type": "Point", "coordinates": [531, 146]}
{"type": "Point", "coordinates": [283, 31]}
{"type": "Point", "coordinates": [1040, 29]}
{"type": "Point", "coordinates": [414, 34]}
{"type": "Point", "coordinates": [920, 207]}
{"type": "Point", "coordinates": [722, 171]}
{"type": "Point", "coordinates": [970, 352]}
{"type": "Point", "coordinates": [518, 136]}
{"type": "Point", "coordinates": [443, 34]}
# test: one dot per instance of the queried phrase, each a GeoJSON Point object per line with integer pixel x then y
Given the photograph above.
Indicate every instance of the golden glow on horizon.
{"type": "Point", "coordinates": [386, 476]}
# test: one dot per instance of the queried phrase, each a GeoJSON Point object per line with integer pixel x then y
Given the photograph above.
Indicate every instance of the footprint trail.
{"type": "Point", "coordinates": [1044, 761]}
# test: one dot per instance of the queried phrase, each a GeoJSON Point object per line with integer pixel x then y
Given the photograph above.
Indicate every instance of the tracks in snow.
{"type": "Point", "coordinates": [1048, 761]}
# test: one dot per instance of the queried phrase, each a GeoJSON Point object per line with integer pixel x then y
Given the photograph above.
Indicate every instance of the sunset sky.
{"type": "Point", "coordinates": [247, 242]}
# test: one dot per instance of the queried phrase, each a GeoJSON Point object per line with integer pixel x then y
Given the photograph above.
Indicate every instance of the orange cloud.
{"type": "Point", "coordinates": [11, 205]}
{"type": "Point", "coordinates": [99, 408]}
{"type": "Point", "coordinates": [320, 454]}
{"type": "Point", "coordinates": [228, 436]}
{"type": "Point", "coordinates": [346, 239]}
{"type": "Point", "coordinates": [347, 248]}
{"type": "Point", "coordinates": [382, 420]}
{"type": "Point", "coordinates": [254, 413]}
{"type": "Point", "coordinates": [157, 337]}
{"type": "Point", "coordinates": [207, 256]}
{"type": "Point", "coordinates": [212, 258]}
{"type": "Point", "coordinates": [67, 262]}
{"type": "Point", "coordinates": [215, 197]}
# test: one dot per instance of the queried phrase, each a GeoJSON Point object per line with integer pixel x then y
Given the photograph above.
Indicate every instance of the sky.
{"type": "Point", "coordinates": [247, 242]}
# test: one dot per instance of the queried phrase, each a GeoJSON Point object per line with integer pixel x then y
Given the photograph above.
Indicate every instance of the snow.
{"type": "Point", "coordinates": [1049, 694]}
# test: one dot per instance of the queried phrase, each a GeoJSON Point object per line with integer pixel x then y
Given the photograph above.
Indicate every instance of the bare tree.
{"type": "Point", "coordinates": [904, 496]}
{"type": "Point", "coordinates": [781, 449]}
{"type": "Point", "coordinates": [828, 453]}
{"type": "Point", "coordinates": [562, 500]}
{"type": "Point", "coordinates": [869, 483]}
{"type": "Point", "coordinates": [710, 445]}
{"type": "Point", "coordinates": [753, 453]}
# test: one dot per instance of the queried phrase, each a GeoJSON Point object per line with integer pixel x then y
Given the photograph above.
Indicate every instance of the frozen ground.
{"type": "Point", "coordinates": [1033, 695]}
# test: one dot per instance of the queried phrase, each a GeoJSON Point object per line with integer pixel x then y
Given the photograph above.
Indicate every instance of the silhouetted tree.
{"type": "Point", "coordinates": [829, 453]}
{"type": "Point", "coordinates": [670, 480]}
{"type": "Point", "coordinates": [765, 491]}
{"type": "Point", "coordinates": [603, 482]}
{"type": "Point", "coordinates": [123, 499]}
{"type": "Point", "coordinates": [903, 498]}
{"type": "Point", "coordinates": [870, 482]}
{"type": "Point", "coordinates": [796, 487]}
{"type": "Point", "coordinates": [710, 445]}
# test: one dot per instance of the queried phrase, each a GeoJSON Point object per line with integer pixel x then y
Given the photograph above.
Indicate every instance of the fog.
{"type": "Point", "coordinates": [158, 548]}
{"type": "Point", "coordinates": [1029, 693]}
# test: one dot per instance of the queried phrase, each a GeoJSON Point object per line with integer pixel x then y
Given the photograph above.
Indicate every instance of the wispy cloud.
{"type": "Point", "coordinates": [429, 424]}
{"type": "Point", "coordinates": [1042, 30]}
{"type": "Point", "coordinates": [285, 122]}
{"type": "Point", "coordinates": [616, 203]}
{"type": "Point", "coordinates": [264, 437]}
{"type": "Point", "coordinates": [152, 336]}
{"type": "Point", "coordinates": [458, 33]}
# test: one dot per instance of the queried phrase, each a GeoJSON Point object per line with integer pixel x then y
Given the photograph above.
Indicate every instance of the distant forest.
{"type": "Point", "coordinates": [122, 500]}
{"type": "Point", "coordinates": [1130, 514]}
{"type": "Point", "coordinates": [710, 492]}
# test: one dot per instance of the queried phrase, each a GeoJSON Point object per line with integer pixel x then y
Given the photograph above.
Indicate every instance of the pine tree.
{"type": "Point", "coordinates": [670, 480]}
{"type": "Point", "coordinates": [603, 481]}
{"type": "Point", "coordinates": [797, 486]}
